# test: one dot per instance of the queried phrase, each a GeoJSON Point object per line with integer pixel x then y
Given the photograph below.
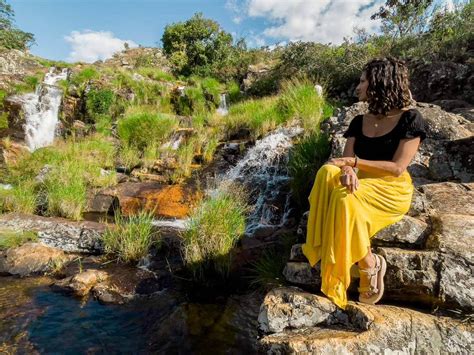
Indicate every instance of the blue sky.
{"type": "Point", "coordinates": [93, 29]}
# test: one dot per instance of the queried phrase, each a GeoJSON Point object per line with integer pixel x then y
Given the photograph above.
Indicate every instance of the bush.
{"type": "Point", "coordinates": [143, 129]}
{"type": "Point", "coordinates": [305, 159]}
{"type": "Point", "coordinates": [130, 238]}
{"type": "Point", "coordinates": [98, 102]}
{"type": "Point", "coordinates": [213, 230]}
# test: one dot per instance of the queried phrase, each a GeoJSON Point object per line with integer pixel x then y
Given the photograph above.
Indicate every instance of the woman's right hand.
{"type": "Point", "coordinates": [349, 179]}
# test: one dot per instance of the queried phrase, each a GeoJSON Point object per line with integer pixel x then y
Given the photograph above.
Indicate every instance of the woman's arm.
{"type": "Point", "coordinates": [404, 154]}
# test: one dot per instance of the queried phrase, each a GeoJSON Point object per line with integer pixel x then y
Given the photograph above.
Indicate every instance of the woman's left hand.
{"type": "Point", "coordinates": [340, 161]}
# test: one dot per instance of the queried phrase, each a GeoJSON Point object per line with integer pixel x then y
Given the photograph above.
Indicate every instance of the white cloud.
{"type": "Point", "coordinates": [89, 46]}
{"type": "Point", "coordinates": [314, 20]}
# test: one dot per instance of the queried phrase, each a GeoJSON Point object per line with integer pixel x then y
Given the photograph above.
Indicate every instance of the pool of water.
{"type": "Point", "coordinates": [34, 319]}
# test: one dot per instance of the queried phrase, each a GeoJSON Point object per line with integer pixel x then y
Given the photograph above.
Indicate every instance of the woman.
{"type": "Point", "coordinates": [347, 207]}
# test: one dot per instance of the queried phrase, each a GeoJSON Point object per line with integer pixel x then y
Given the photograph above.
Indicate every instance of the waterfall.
{"type": "Point", "coordinates": [263, 171]}
{"type": "Point", "coordinates": [223, 109]}
{"type": "Point", "coordinates": [41, 110]}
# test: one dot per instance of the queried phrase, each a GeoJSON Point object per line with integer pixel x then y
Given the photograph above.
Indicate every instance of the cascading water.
{"type": "Point", "coordinates": [263, 171]}
{"type": "Point", "coordinates": [41, 110]}
{"type": "Point", "coordinates": [223, 108]}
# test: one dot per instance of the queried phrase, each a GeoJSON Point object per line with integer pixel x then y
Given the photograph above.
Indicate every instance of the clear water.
{"type": "Point", "coordinates": [36, 320]}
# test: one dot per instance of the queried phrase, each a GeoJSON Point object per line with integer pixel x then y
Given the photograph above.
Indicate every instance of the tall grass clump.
{"type": "Point", "coordinates": [11, 238]}
{"type": "Point", "coordinates": [213, 230]}
{"type": "Point", "coordinates": [21, 198]}
{"type": "Point", "coordinates": [255, 116]}
{"type": "Point", "coordinates": [130, 238]}
{"type": "Point", "coordinates": [298, 99]}
{"type": "Point", "coordinates": [143, 129]}
{"type": "Point", "coordinates": [305, 159]}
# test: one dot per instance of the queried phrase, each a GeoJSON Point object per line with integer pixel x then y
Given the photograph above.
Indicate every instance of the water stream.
{"type": "Point", "coordinates": [41, 110]}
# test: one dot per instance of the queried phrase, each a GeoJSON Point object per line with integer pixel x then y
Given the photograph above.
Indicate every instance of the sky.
{"type": "Point", "coordinates": [88, 30]}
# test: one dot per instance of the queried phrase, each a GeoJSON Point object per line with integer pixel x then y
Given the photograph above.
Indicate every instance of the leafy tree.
{"type": "Point", "coordinates": [196, 46]}
{"type": "Point", "coordinates": [403, 17]}
{"type": "Point", "coordinates": [10, 36]}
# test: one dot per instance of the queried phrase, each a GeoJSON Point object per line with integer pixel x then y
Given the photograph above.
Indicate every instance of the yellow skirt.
{"type": "Point", "coordinates": [340, 224]}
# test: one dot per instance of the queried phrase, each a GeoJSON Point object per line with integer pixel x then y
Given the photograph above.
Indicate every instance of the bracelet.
{"type": "Point", "coordinates": [355, 162]}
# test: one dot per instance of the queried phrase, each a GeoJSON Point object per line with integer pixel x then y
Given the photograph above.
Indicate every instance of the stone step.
{"type": "Point", "coordinates": [294, 321]}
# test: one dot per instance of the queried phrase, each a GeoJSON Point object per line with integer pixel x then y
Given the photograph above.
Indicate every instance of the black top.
{"type": "Point", "coordinates": [411, 124]}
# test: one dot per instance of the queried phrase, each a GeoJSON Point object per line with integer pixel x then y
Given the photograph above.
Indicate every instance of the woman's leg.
{"type": "Point", "coordinates": [327, 178]}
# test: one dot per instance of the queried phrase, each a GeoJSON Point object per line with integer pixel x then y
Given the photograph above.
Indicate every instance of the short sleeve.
{"type": "Point", "coordinates": [354, 127]}
{"type": "Point", "coordinates": [415, 126]}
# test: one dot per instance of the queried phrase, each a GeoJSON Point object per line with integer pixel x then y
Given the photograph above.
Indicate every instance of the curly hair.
{"type": "Point", "coordinates": [388, 85]}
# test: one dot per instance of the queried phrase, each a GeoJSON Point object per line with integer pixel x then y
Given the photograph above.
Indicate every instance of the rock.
{"type": "Point", "coordinates": [412, 275]}
{"type": "Point", "coordinates": [408, 231]}
{"type": "Point", "coordinates": [301, 273]}
{"type": "Point", "coordinates": [454, 162]}
{"type": "Point", "coordinates": [283, 309]}
{"type": "Point", "coordinates": [32, 258]}
{"type": "Point", "coordinates": [169, 201]}
{"type": "Point", "coordinates": [81, 283]}
{"type": "Point", "coordinates": [363, 329]}
{"type": "Point", "coordinates": [449, 198]}
{"type": "Point", "coordinates": [81, 237]}
{"type": "Point", "coordinates": [106, 295]}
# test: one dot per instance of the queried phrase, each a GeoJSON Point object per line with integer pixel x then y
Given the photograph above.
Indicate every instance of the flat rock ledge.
{"type": "Point", "coordinates": [69, 236]}
{"type": "Point", "coordinates": [292, 321]}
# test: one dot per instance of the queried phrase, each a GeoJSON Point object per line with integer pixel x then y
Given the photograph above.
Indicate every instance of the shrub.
{"type": "Point", "coordinates": [305, 159]}
{"type": "Point", "coordinates": [80, 79]}
{"type": "Point", "coordinates": [143, 129]}
{"type": "Point", "coordinates": [98, 102]}
{"type": "Point", "coordinates": [130, 238]}
{"type": "Point", "coordinates": [213, 230]}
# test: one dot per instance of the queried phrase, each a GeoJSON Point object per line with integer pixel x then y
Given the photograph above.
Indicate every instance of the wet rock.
{"type": "Point", "coordinates": [169, 201]}
{"type": "Point", "coordinates": [32, 258]}
{"type": "Point", "coordinates": [292, 308]}
{"type": "Point", "coordinates": [81, 237]}
{"type": "Point", "coordinates": [81, 283]}
{"type": "Point", "coordinates": [366, 329]}
{"type": "Point", "coordinates": [107, 295]}
{"type": "Point", "coordinates": [408, 231]}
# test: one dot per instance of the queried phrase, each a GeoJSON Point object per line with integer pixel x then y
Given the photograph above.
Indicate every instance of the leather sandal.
{"type": "Point", "coordinates": [371, 280]}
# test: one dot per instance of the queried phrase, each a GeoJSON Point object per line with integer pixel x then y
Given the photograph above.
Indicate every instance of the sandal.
{"type": "Point", "coordinates": [371, 280]}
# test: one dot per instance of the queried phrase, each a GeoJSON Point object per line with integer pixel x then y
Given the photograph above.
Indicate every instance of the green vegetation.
{"type": "Point", "coordinates": [98, 102]}
{"type": "Point", "coordinates": [214, 229]}
{"type": "Point", "coordinates": [56, 178]}
{"type": "Point", "coordinates": [10, 36]}
{"type": "Point", "coordinates": [305, 159]}
{"type": "Point", "coordinates": [130, 238]}
{"type": "Point", "coordinates": [144, 129]}
{"type": "Point", "coordinates": [12, 238]}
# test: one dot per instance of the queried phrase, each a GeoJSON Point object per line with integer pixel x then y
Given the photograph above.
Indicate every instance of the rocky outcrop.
{"type": "Point", "coordinates": [430, 251]}
{"type": "Point", "coordinates": [32, 258]}
{"type": "Point", "coordinates": [168, 201]}
{"type": "Point", "coordinates": [80, 237]}
{"type": "Point", "coordinates": [293, 321]}
{"type": "Point", "coordinates": [80, 284]}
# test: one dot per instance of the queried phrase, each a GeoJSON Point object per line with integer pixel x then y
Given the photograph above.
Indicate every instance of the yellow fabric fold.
{"type": "Point", "coordinates": [340, 224]}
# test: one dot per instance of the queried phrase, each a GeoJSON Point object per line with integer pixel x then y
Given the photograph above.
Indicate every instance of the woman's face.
{"type": "Point", "coordinates": [361, 89]}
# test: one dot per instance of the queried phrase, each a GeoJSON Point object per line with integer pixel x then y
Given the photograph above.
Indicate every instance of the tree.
{"type": "Point", "coordinates": [10, 36]}
{"type": "Point", "coordinates": [196, 46]}
{"type": "Point", "coordinates": [403, 17]}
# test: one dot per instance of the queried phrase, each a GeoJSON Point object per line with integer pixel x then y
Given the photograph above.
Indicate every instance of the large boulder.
{"type": "Point", "coordinates": [80, 237]}
{"type": "Point", "coordinates": [32, 259]}
{"type": "Point", "coordinates": [359, 329]}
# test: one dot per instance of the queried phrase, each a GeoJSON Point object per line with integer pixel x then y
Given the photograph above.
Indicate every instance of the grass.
{"type": "Point", "coordinates": [305, 159]}
{"type": "Point", "coordinates": [69, 168]}
{"type": "Point", "coordinates": [143, 129]}
{"type": "Point", "coordinates": [12, 239]}
{"type": "Point", "coordinates": [130, 238]}
{"type": "Point", "coordinates": [214, 228]}
{"type": "Point", "coordinates": [155, 74]}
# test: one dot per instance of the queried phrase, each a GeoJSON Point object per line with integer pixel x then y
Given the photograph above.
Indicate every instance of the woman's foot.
{"type": "Point", "coordinates": [371, 285]}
